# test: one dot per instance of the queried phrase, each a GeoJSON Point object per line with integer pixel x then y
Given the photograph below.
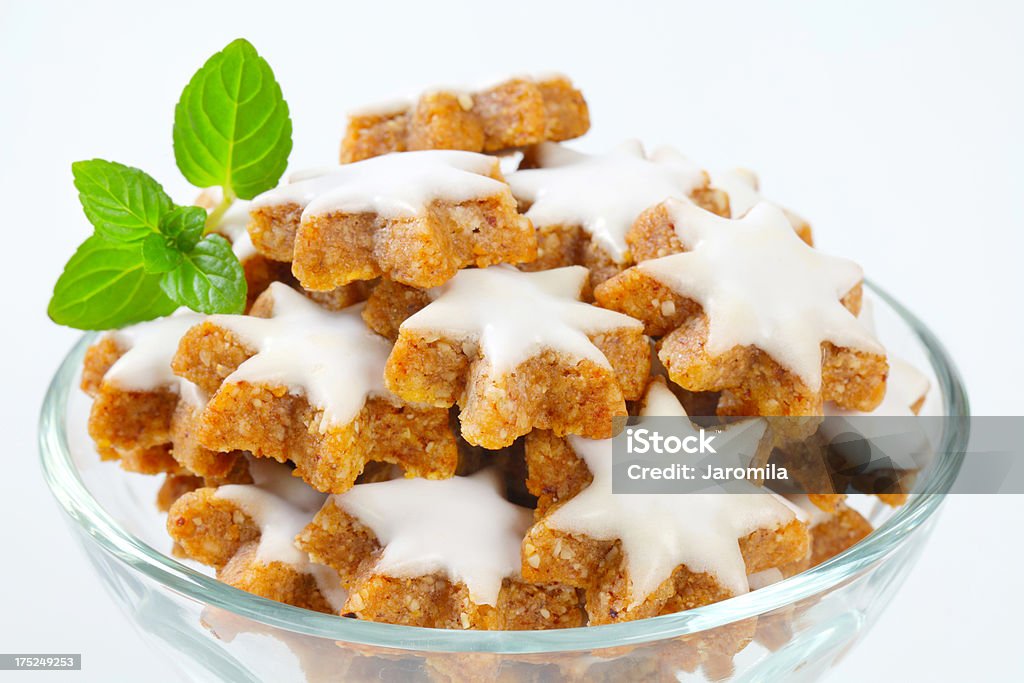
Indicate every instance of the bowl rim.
{"type": "Point", "coordinates": [78, 503]}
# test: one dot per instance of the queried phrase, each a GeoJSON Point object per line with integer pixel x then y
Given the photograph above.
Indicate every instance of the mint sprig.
{"type": "Point", "coordinates": [121, 202]}
{"type": "Point", "coordinates": [159, 255]}
{"type": "Point", "coordinates": [184, 226]}
{"type": "Point", "coordinates": [231, 124]}
{"type": "Point", "coordinates": [148, 256]}
{"type": "Point", "coordinates": [209, 278]}
{"type": "Point", "coordinates": [150, 267]}
{"type": "Point", "coordinates": [105, 285]}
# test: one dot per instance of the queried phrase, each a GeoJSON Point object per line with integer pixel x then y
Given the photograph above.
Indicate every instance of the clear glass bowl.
{"type": "Point", "coordinates": [793, 630]}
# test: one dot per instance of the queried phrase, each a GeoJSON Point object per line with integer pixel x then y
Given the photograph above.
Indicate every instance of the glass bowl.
{"type": "Point", "coordinates": [792, 630]}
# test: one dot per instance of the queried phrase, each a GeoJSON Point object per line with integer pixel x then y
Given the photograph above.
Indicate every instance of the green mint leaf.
{"type": "Point", "coordinates": [158, 256]}
{"type": "Point", "coordinates": [122, 202]}
{"type": "Point", "coordinates": [231, 124]}
{"type": "Point", "coordinates": [104, 285]}
{"type": "Point", "coordinates": [209, 278]}
{"type": "Point", "coordinates": [184, 225]}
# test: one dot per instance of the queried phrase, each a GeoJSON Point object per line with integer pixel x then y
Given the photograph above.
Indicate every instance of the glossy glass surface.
{"type": "Point", "coordinates": [796, 628]}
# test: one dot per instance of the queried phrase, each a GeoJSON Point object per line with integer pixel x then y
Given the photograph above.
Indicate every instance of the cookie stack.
{"type": "Point", "coordinates": [412, 422]}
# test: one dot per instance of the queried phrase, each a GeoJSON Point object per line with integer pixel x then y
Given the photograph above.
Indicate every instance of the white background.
{"type": "Point", "coordinates": [894, 127]}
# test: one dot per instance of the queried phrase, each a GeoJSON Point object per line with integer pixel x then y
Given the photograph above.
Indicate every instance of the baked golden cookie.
{"type": "Point", "coordinates": [514, 113]}
{"type": "Point", "coordinates": [893, 475]}
{"type": "Point", "coordinates": [260, 270]}
{"type": "Point", "coordinates": [641, 555]}
{"type": "Point", "coordinates": [414, 218]}
{"type": "Point", "coordinates": [744, 191]}
{"type": "Point", "coordinates": [390, 304]}
{"type": "Point", "coordinates": [174, 487]}
{"type": "Point", "coordinates": [142, 414]}
{"type": "Point", "coordinates": [751, 311]}
{"type": "Point", "coordinates": [441, 554]}
{"type": "Point", "coordinates": [247, 533]}
{"type": "Point", "coordinates": [519, 351]}
{"type": "Point", "coordinates": [582, 205]}
{"type": "Point", "coordinates": [831, 533]}
{"type": "Point", "coordinates": [296, 382]}
{"type": "Point", "coordinates": [412, 424]}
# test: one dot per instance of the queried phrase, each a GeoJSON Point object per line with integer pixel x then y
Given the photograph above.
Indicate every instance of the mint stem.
{"type": "Point", "coordinates": [213, 220]}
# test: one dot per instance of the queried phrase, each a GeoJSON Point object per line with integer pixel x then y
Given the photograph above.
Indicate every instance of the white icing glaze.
{"type": "Point", "coordinates": [281, 506]}
{"type": "Point", "coordinates": [192, 395]}
{"type": "Point", "coordinates": [760, 285]}
{"type": "Point", "coordinates": [243, 247]}
{"type": "Point", "coordinates": [462, 527]}
{"type": "Point", "coordinates": [742, 187]}
{"type": "Point", "coordinates": [329, 584]}
{"type": "Point", "coordinates": [514, 315]}
{"type": "Point", "coordinates": [330, 357]}
{"type": "Point", "coordinates": [867, 314]}
{"type": "Point", "coordinates": [602, 193]}
{"type": "Point", "coordinates": [744, 194]}
{"type": "Point", "coordinates": [659, 401]}
{"type": "Point", "coordinates": [398, 185]}
{"type": "Point", "coordinates": [659, 532]}
{"type": "Point", "coordinates": [809, 512]}
{"type": "Point", "coordinates": [764, 578]}
{"type": "Point", "coordinates": [509, 160]}
{"type": "Point", "coordinates": [146, 365]}
{"type": "Point", "coordinates": [233, 224]}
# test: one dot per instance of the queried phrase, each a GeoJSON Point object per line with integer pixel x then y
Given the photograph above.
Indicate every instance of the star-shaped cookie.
{"type": "Point", "coordinates": [295, 381]}
{"type": "Point", "coordinates": [435, 553]}
{"type": "Point", "coordinates": [142, 414]}
{"type": "Point", "coordinates": [751, 310]}
{"type": "Point", "coordinates": [413, 217]}
{"type": "Point", "coordinates": [639, 555]}
{"type": "Point", "coordinates": [584, 204]}
{"type": "Point", "coordinates": [519, 351]}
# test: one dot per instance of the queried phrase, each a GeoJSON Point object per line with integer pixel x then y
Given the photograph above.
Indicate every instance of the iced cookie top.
{"type": "Point", "coordinates": [514, 316]}
{"type": "Point", "coordinates": [233, 225]}
{"type": "Point", "coordinates": [743, 188]}
{"type": "Point", "coordinates": [150, 346]}
{"type": "Point", "coordinates": [397, 185]}
{"type": "Point", "coordinates": [602, 193]}
{"type": "Point", "coordinates": [462, 527]}
{"type": "Point", "coordinates": [281, 506]}
{"type": "Point", "coordinates": [330, 357]}
{"type": "Point", "coordinates": [761, 286]}
{"type": "Point", "coordinates": [807, 510]}
{"type": "Point", "coordinates": [698, 530]}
